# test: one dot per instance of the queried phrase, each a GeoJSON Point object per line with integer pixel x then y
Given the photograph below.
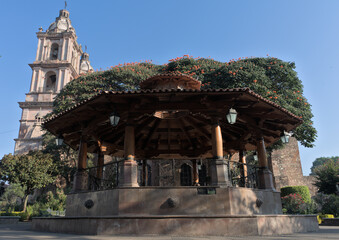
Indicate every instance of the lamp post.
{"type": "Point", "coordinates": [59, 140]}
{"type": "Point", "coordinates": [114, 118]}
{"type": "Point", "coordinates": [231, 116]}
{"type": "Point", "coordinates": [285, 137]}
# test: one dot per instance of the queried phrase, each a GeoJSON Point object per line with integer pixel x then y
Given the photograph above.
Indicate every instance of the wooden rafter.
{"type": "Point", "coordinates": [182, 127]}
{"type": "Point", "coordinates": [198, 128]}
{"type": "Point", "coordinates": [151, 132]}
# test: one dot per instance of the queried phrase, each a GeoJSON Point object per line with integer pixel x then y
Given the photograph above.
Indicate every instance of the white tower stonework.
{"type": "Point", "coordinates": [59, 59]}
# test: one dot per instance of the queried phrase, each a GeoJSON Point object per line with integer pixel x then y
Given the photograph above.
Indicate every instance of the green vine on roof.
{"type": "Point", "coordinates": [270, 77]}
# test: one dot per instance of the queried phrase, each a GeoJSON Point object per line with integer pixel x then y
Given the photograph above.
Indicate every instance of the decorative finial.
{"type": "Point", "coordinates": [65, 4]}
{"type": "Point", "coordinates": [85, 48]}
{"type": "Point", "coordinates": [40, 29]}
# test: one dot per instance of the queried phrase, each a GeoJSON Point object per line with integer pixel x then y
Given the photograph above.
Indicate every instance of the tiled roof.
{"type": "Point", "coordinates": [179, 91]}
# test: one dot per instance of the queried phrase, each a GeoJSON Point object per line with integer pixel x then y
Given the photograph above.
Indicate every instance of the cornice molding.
{"type": "Point", "coordinates": [53, 64]}
{"type": "Point", "coordinates": [35, 104]}
{"type": "Point", "coordinates": [28, 139]}
{"type": "Point", "coordinates": [56, 35]}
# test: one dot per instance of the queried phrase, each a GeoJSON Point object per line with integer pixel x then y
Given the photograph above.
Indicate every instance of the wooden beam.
{"type": "Point", "coordinates": [140, 127]}
{"type": "Point", "coordinates": [182, 127]}
{"type": "Point", "coordinates": [190, 153]}
{"type": "Point", "coordinates": [151, 132]}
{"type": "Point", "coordinates": [198, 128]}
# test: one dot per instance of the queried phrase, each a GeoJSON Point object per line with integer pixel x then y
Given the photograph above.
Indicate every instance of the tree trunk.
{"type": "Point", "coordinates": [25, 203]}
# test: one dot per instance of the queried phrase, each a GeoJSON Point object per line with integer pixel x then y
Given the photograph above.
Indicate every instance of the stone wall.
{"type": "Point", "coordinates": [183, 226]}
{"type": "Point", "coordinates": [173, 201]}
{"type": "Point", "coordinates": [309, 182]}
{"type": "Point", "coordinates": [286, 165]}
{"type": "Point", "coordinates": [286, 168]}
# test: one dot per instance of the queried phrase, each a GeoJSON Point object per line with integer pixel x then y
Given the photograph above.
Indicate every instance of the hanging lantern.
{"type": "Point", "coordinates": [114, 118]}
{"type": "Point", "coordinates": [199, 164]}
{"type": "Point", "coordinates": [285, 137]}
{"type": "Point", "coordinates": [232, 116]}
{"type": "Point", "coordinates": [59, 140]}
{"type": "Point", "coordinates": [255, 156]}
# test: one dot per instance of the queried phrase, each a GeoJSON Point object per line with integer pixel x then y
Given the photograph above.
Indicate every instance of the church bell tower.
{"type": "Point", "coordinates": [59, 59]}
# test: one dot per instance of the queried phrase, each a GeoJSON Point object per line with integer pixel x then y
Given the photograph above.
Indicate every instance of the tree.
{"type": "Point", "coordinates": [32, 171]}
{"type": "Point", "coordinates": [327, 177]}
{"type": "Point", "coordinates": [321, 161]}
{"type": "Point", "coordinates": [270, 77]}
{"type": "Point", "coordinates": [11, 195]}
{"type": "Point", "coordinates": [64, 157]}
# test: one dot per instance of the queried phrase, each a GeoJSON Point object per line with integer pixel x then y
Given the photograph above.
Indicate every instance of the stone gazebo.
{"type": "Point", "coordinates": [170, 117]}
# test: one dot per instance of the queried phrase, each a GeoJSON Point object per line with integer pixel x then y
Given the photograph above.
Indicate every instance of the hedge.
{"type": "Point", "coordinates": [303, 191]}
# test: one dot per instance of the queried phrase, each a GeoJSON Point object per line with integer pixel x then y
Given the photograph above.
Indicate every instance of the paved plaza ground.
{"type": "Point", "coordinates": [23, 231]}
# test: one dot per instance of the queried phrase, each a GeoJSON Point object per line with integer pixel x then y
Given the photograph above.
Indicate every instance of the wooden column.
{"type": "Point", "coordinates": [265, 177]}
{"type": "Point", "coordinates": [128, 168]}
{"type": "Point", "coordinates": [243, 167]}
{"type": "Point", "coordinates": [195, 173]}
{"type": "Point", "coordinates": [217, 147]}
{"type": "Point", "coordinates": [217, 166]}
{"type": "Point", "coordinates": [81, 176]}
{"type": "Point", "coordinates": [82, 157]}
{"type": "Point", "coordinates": [261, 149]}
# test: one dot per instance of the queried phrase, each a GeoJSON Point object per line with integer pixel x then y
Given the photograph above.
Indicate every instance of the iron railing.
{"type": "Point", "coordinates": [107, 176]}
{"type": "Point", "coordinates": [242, 174]}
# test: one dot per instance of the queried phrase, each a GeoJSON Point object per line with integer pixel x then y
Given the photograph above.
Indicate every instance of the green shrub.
{"type": "Point", "coordinates": [309, 208]}
{"type": "Point", "coordinates": [35, 209]}
{"type": "Point", "coordinates": [11, 197]}
{"type": "Point", "coordinates": [292, 203]}
{"type": "Point", "coordinates": [303, 191]}
{"type": "Point", "coordinates": [328, 204]}
{"type": "Point", "coordinates": [24, 216]}
{"type": "Point", "coordinates": [55, 202]}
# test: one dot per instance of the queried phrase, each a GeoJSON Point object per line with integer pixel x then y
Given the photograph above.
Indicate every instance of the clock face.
{"type": "Point", "coordinates": [62, 25]}
{"type": "Point", "coordinates": [84, 67]}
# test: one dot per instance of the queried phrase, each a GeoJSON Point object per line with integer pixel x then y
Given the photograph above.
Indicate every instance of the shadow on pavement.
{"type": "Point", "coordinates": [23, 231]}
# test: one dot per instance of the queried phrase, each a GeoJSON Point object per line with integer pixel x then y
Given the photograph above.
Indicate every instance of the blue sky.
{"type": "Point", "coordinates": [302, 31]}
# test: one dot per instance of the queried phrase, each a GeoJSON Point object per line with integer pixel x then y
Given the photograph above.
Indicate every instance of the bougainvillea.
{"type": "Point", "coordinates": [292, 203]}
{"type": "Point", "coordinates": [270, 77]}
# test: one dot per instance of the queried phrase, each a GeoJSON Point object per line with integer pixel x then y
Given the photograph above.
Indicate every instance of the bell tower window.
{"type": "Point", "coordinates": [54, 51]}
{"type": "Point", "coordinates": [50, 82]}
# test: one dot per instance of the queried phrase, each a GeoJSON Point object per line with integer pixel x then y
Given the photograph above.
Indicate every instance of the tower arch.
{"type": "Point", "coordinates": [50, 81]}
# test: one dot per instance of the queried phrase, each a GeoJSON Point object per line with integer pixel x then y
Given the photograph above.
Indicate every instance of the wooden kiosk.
{"type": "Point", "coordinates": [170, 117]}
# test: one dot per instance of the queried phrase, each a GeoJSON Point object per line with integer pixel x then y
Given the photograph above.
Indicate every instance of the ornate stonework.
{"type": "Point", "coordinates": [59, 59]}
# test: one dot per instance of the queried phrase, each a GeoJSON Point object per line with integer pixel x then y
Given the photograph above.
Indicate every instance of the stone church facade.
{"type": "Point", "coordinates": [60, 59]}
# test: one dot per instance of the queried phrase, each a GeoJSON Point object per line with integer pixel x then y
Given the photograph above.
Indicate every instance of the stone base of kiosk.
{"type": "Point", "coordinates": [179, 211]}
